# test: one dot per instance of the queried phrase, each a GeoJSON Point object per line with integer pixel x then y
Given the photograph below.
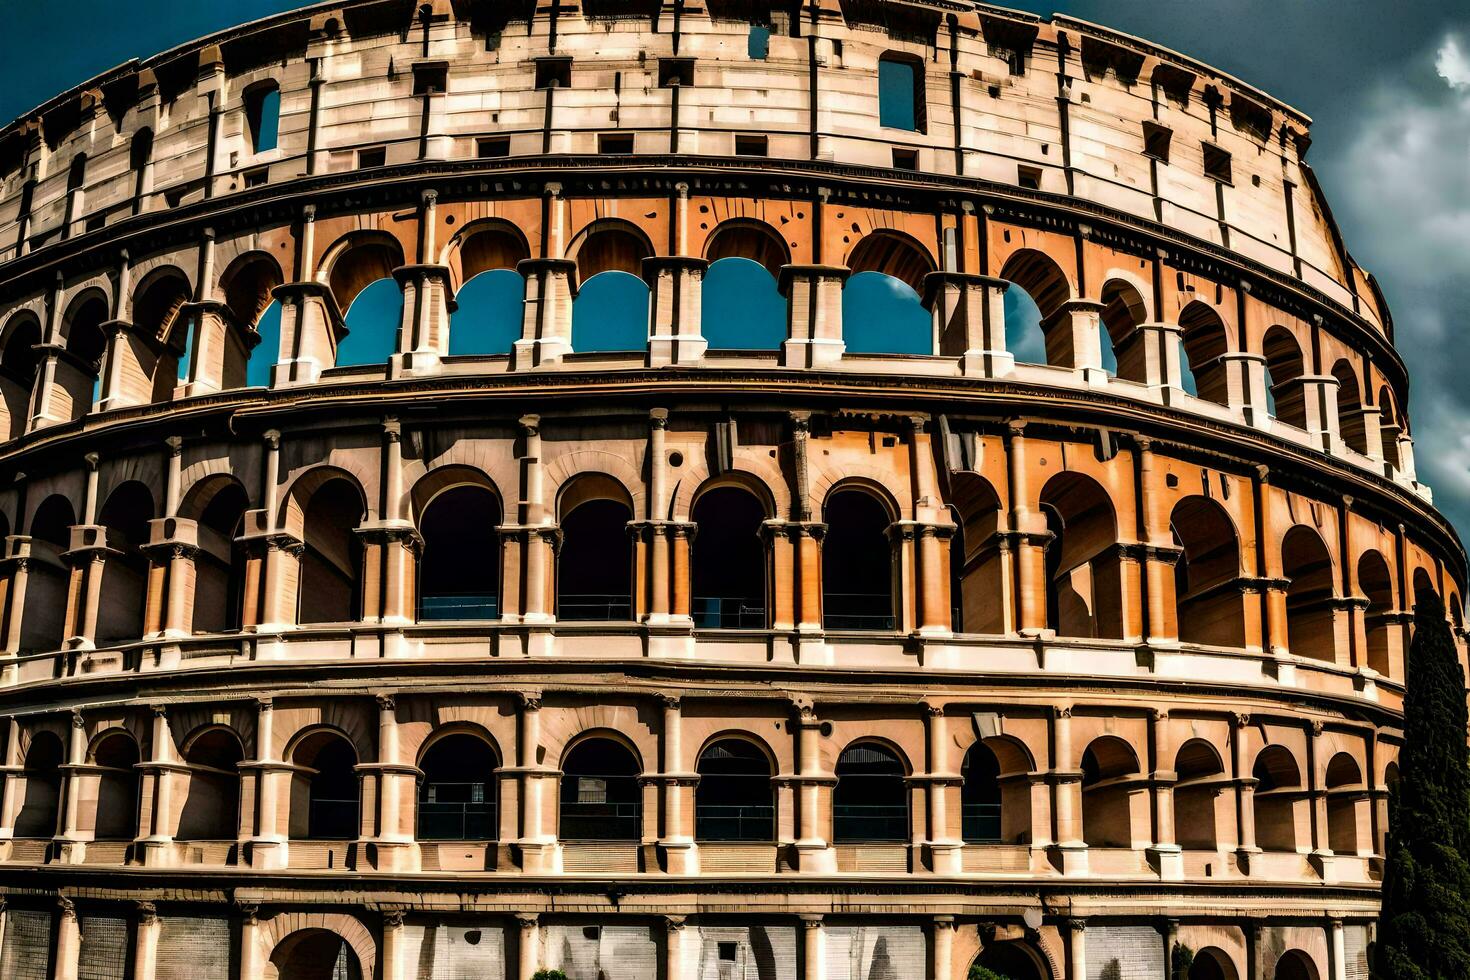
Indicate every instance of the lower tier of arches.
{"type": "Point", "coordinates": [270, 935]}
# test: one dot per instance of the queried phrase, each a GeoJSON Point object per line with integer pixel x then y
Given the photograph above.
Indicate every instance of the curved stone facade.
{"type": "Point", "coordinates": [927, 629]}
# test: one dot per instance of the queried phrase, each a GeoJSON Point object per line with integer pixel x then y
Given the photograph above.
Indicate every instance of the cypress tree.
{"type": "Point", "coordinates": [1424, 927]}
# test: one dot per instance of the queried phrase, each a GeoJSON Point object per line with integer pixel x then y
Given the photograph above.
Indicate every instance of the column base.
{"type": "Point", "coordinates": [156, 852]}
{"type": "Point", "coordinates": [681, 857]}
{"type": "Point", "coordinates": [527, 354]}
{"type": "Point", "coordinates": [1169, 860]}
{"type": "Point", "coordinates": [392, 855]}
{"type": "Point", "coordinates": [667, 349]}
{"type": "Point", "coordinates": [69, 851]}
{"type": "Point", "coordinates": [540, 857]}
{"type": "Point", "coordinates": [815, 857]}
{"type": "Point", "coordinates": [1071, 859]}
{"type": "Point", "coordinates": [946, 857]}
{"type": "Point", "coordinates": [413, 362]}
{"type": "Point", "coordinates": [267, 854]}
{"type": "Point", "coordinates": [987, 364]}
{"type": "Point", "coordinates": [811, 353]}
{"type": "Point", "coordinates": [300, 371]}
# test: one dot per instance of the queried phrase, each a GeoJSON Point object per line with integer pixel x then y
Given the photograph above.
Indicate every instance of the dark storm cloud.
{"type": "Point", "coordinates": [1380, 80]}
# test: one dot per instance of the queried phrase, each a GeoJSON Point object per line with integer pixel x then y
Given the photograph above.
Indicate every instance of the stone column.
{"type": "Point", "coordinates": [814, 301]}
{"type": "Point", "coordinates": [674, 933]}
{"type": "Point", "coordinates": [13, 793]}
{"type": "Point", "coordinates": [551, 285]}
{"type": "Point", "coordinates": [970, 321]}
{"type": "Point", "coordinates": [252, 957]}
{"type": "Point", "coordinates": [814, 853]}
{"type": "Point", "coordinates": [1150, 354]}
{"type": "Point", "coordinates": [68, 942]}
{"type": "Point", "coordinates": [397, 850]}
{"type": "Point", "coordinates": [1322, 854]}
{"type": "Point", "coordinates": [1074, 339]}
{"type": "Point", "coordinates": [1159, 553]}
{"type": "Point", "coordinates": [540, 852]}
{"type": "Point", "coordinates": [1245, 387]}
{"type": "Point", "coordinates": [1166, 850]}
{"type": "Point", "coordinates": [678, 782]}
{"type": "Point", "coordinates": [1337, 949]}
{"type": "Point", "coordinates": [428, 301]}
{"type": "Point", "coordinates": [1067, 799]}
{"type": "Point", "coordinates": [392, 956]}
{"type": "Point", "coordinates": [813, 948]}
{"type": "Point", "coordinates": [156, 843]}
{"type": "Point", "coordinates": [528, 945]}
{"type": "Point", "coordinates": [674, 326]}
{"type": "Point", "coordinates": [943, 947]}
{"type": "Point", "coordinates": [311, 323]}
{"type": "Point", "coordinates": [145, 951]}
{"type": "Point", "coordinates": [268, 845]}
{"type": "Point", "coordinates": [542, 533]}
{"type": "Point", "coordinates": [1076, 949]}
{"type": "Point", "coordinates": [1245, 790]}
{"type": "Point", "coordinates": [1032, 536]}
{"type": "Point", "coordinates": [71, 843]}
{"type": "Point", "coordinates": [943, 796]}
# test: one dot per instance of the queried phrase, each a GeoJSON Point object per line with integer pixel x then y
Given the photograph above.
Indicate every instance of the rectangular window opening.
{"type": "Point", "coordinates": [263, 115]}
{"type": "Point", "coordinates": [492, 147]}
{"type": "Point", "coordinates": [430, 77]}
{"type": "Point", "coordinates": [751, 146]}
{"type": "Point", "coordinates": [759, 44]}
{"type": "Point", "coordinates": [257, 178]}
{"type": "Point", "coordinates": [1156, 141]}
{"type": "Point", "coordinates": [728, 952]}
{"type": "Point", "coordinates": [615, 143]}
{"type": "Point", "coordinates": [1217, 164]}
{"type": "Point", "coordinates": [905, 159]}
{"type": "Point", "coordinates": [1029, 177]}
{"type": "Point", "coordinates": [675, 72]}
{"type": "Point", "coordinates": [553, 72]}
{"type": "Point", "coordinates": [376, 156]}
{"type": "Point", "coordinates": [900, 94]}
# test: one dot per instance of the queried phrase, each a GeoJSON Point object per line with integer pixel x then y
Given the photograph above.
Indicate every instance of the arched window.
{"type": "Point", "coordinates": [1211, 607]}
{"type": "Point", "coordinates": [361, 280]}
{"type": "Point", "coordinates": [459, 573]}
{"type": "Point", "coordinates": [882, 312]}
{"type": "Point", "coordinates": [1123, 354]}
{"type": "Point", "coordinates": [980, 797]}
{"type": "Point", "coordinates": [600, 795]}
{"type": "Point", "coordinates": [211, 809]}
{"type": "Point", "coordinates": [1038, 291]}
{"type": "Point", "coordinates": [901, 92]}
{"type": "Point", "coordinates": [1284, 372]}
{"type": "Point", "coordinates": [1280, 805]}
{"type": "Point", "coordinates": [1350, 421]}
{"type": "Point", "coordinates": [870, 802]}
{"type": "Point", "coordinates": [219, 565]}
{"type": "Point", "coordinates": [610, 312]}
{"type": "Point", "coordinates": [1295, 965]}
{"type": "Point", "coordinates": [491, 300]}
{"type": "Point", "coordinates": [158, 316]}
{"type": "Point", "coordinates": [86, 343]}
{"type": "Point", "coordinates": [1205, 346]}
{"type": "Point", "coordinates": [729, 560]}
{"type": "Point", "coordinates": [1013, 960]}
{"type": "Point", "coordinates": [1390, 428]}
{"type": "Point", "coordinates": [1376, 584]}
{"type": "Point", "coordinates": [140, 159]}
{"type": "Point", "coordinates": [1111, 783]}
{"type": "Point", "coordinates": [19, 363]}
{"type": "Point", "coordinates": [1211, 963]}
{"type": "Point", "coordinates": [315, 954]}
{"type": "Point", "coordinates": [125, 515]}
{"type": "Point", "coordinates": [594, 573]}
{"type": "Point", "coordinates": [1306, 562]}
{"type": "Point", "coordinates": [42, 770]}
{"type": "Point", "coordinates": [1424, 587]}
{"type": "Point", "coordinates": [735, 799]}
{"type": "Point", "coordinates": [1346, 795]}
{"type": "Point", "coordinates": [324, 789]}
{"type": "Point", "coordinates": [1083, 574]}
{"type": "Point", "coordinates": [741, 307]}
{"type": "Point", "coordinates": [44, 619]}
{"type": "Point", "coordinates": [1199, 795]}
{"type": "Point", "coordinates": [262, 116]}
{"type": "Point", "coordinates": [857, 575]}
{"type": "Point", "coordinates": [252, 343]}
{"type": "Point", "coordinates": [976, 565]}
{"type": "Point", "coordinates": [116, 758]}
{"type": "Point", "coordinates": [458, 789]}
{"type": "Point", "coordinates": [331, 564]}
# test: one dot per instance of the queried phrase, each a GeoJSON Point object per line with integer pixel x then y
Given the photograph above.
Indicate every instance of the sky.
{"type": "Point", "coordinates": [1386, 84]}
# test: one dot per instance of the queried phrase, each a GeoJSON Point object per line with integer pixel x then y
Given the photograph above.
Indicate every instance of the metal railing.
{"type": "Point", "coordinates": [450, 606]}
{"type": "Point", "coordinates": [457, 821]}
{"type": "Point", "coordinates": [333, 820]}
{"type": "Point", "coordinates": [980, 823]}
{"type": "Point", "coordinates": [855, 823]}
{"type": "Point", "coordinates": [601, 821]}
{"type": "Point", "coordinates": [723, 613]}
{"type": "Point", "coordinates": [857, 611]}
{"type": "Point", "coordinates": [735, 823]}
{"type": "Point", "coordinates": [594, 608]}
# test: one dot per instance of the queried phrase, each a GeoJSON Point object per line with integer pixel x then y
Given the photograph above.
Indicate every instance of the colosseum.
{"type": "Point", "coordinates": [719, 489]}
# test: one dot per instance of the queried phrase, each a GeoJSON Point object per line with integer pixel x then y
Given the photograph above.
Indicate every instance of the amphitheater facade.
{"type": "Point", "coordinates": [997, 542]}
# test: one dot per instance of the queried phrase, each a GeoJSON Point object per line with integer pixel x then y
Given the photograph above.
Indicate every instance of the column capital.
{"type": "Point", "coordinates": [392, 429]}
{"type": "Point", "coordinates": [528, 920]}
{"type": "Point", "coordinates": [272, 438]}
{"type": "Point", "coordinates": [92, 459]}
{"type": "Point", "coordinates": [670, 702]}
{"type": "Point", "coordinates": [529, 700]}
{"type": "Point", "coordinates": [265, 704]}
{"type": "Point", "coordinates": [811, 920]}
{"type": "Point", "coordinates": [77, 721]}
{"type": "Point", "coordinates": [249, 911]}
{"type": "Point", "coordinates": [1240, 719]}
{"type": "Point", "coordinates": [530, 425]}
{"type": "Point", "coordinates": [658, 418]}
{"type": "Point", "coordinates": [67, 906]}
{"type": "Point", "coordinates": [386, 701]}
{"type": "Point", "coordinates": [175, 445]}
{"type": "Point", "coordinates": [393, 918]}
{"type": "Point", "coordinates": [429, 197]}
{"type": "Point", "coordinates": [147, 913]}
